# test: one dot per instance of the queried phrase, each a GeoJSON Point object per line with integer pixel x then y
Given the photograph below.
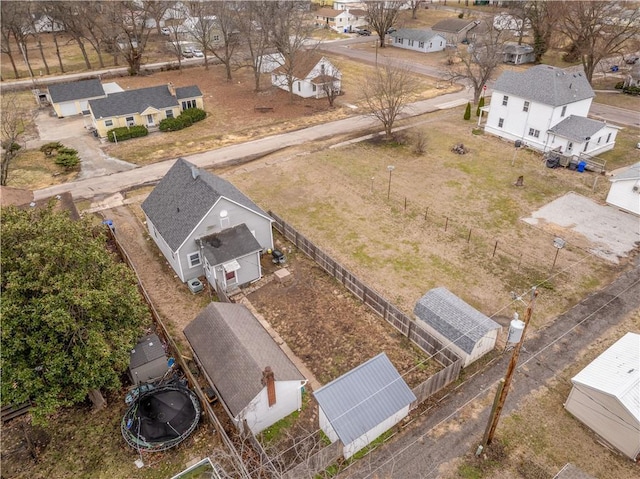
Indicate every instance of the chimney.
{"type": "Point", "coordinates": [195, 172]}
{"type": "Point", "coordinates": [172, 90]}
{"type": "Point", "coordinates": [269, 381]}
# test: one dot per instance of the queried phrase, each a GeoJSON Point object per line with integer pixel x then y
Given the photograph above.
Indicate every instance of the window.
{"type": "Point", "coordinates": [608, 137]}
{"type": "Point", "coordinates": [505, 100]}
{"type": "Point", "coordinates": [430, 44]}
{"type": "Point", "coordinates": [169, 113]}
{"type": "Point", "coordinates": [130, 121]}
{"type": "Point", "coordinates": [194, 259]}
{"type": "Point", "coordinates": [599, 138]}
{"type": "Point", "coordinates": [526, 106]}
{"type": "Point", "coordinates": [314, 87]}
{"type": "Point", "coordinates": [586, 145]}
{"type": "Point", "coordinates": [230, 275]}
{"type": "Point", "coordinates": [564, 110]}
{"type": "Point", "coordinates": [216, 38]}
{"type": "Point", "coordinates": [421, 45]}
{"type": "Point", "coordinates": [534, 133]}
{"type": "Point", "coordinates": [108, 123]}
{"type": "Point", "coordinates": [188, 104]}
{"type": "Point", "coordinates": [410, 43]}
{"type": "Point", "coordinates": [500, 122]}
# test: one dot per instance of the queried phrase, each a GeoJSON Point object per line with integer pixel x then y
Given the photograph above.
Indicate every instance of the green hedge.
{"type": "Point", "coordinates": [126, 132]}
{"type": "Point", "coordinates": [631, 90]}
{"type": "Point", "coordinates": [186, 118]}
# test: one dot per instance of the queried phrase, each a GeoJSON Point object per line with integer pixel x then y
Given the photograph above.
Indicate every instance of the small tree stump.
{"type": "Point", "coordinates": [519, 181]}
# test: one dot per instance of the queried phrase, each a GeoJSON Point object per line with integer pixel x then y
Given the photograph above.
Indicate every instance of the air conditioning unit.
{"type": "Point", "coordinates": [195, 285]}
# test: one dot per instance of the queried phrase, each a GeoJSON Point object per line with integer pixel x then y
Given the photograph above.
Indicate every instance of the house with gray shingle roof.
{"type": "Point", "coordinates": [625, 189]}
{"type": "Point", "coordinates": [204, 225]}
{"type": "Point", "coordinates": [254, 379]}
{"type": "Point", "coordinates": [455, 29]}
{"type": "Point", "coordinates": [143, 106]}
{"type": "Point", "coordinates": [546, 108]}
{"type": "Point", "coordinates": [458, 325]}
{"type": "Point", "coordinates": [359, 406]}
{"type": "Point", "coordinates": [72, 98]}
{"type": "Point", "coordinates": [419, 40]}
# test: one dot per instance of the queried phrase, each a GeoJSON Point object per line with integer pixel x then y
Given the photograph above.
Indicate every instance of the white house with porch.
{"type": "Point", "coordinates": [546, 108]}
{"type": "Point", "coordinates": [419, 40]}
{"type": "Point", "coordinates": [310, 76]}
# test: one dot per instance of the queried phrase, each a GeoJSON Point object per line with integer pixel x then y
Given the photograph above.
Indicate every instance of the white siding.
{"type": "Point", "coordinates": [169, 255]}
{"type": "Point", "coordinates": [436, 44]}
{"type": "Point", "coordinates": [622, 195]}
{"type": "Point", "coordinates": [260, 416]}
{"type": "Point", "coordinates": [605, 415]}
{"type": "Point", "coordinates": [326, 427]}
{"type": "Point", "coordinates": [483, 346]}
{"type": "Point", "coordinates": [371, 435]}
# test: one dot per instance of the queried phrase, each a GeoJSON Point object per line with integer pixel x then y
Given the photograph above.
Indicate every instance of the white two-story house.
{"type": "Point", "coordinates": [546, 108]}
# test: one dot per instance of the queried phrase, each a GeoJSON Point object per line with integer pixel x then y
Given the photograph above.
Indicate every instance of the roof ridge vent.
{"type": "Point", "coordinates": [195, 172]}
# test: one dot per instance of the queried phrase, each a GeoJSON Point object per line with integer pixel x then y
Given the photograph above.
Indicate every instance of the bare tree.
{"type": "Point", "coordinates": [131, 22]}
{"type": "Point", "coordinates": [12, 126]}
{"type": "Point", "coordinates": [540, 16]}
{"type": "Point", "coordinates": [387, 92]}
{"type": "Point", "coordinates": [479, 60]}
{"type": "Point", "coordinates": [34, 10]}
{"type": "Point", "coordinates": [414, 5]}
{"type": "Point", "coordinates": [49, 10]}
{"type": "Point", "coordinates": [7, 18]}
{"type": "Point", "coordinates": [72, 17]}
{"type": "Point", "coordinates": [18, 22]}
{"type": "Point", "coordinates": [598, 29]}
{"type": "Point", "coordinates": [382, 15]}
{"type": "Point", "coordinates": [216, 30]}
{"type": "Point", "coordinates": [330, 83]}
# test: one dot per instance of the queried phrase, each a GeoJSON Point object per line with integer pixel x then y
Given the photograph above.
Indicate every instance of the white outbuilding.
{"type": "Point", "coordinates": [606, 396]}
{"type": "Point", "coordinates": [458, 325]}
{"type": "Point", "coordinates": [625, 190]}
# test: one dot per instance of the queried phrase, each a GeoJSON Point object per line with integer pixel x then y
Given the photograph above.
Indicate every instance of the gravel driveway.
{"type": "Point", "coordinates": [72, 132]}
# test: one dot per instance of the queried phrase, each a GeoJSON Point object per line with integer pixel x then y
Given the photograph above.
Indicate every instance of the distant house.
{"type": "Point", "coordinates": [461, 327]}
{"type": "Point", "coordinates": [148, 360]}
{"type": "Point", "coordinates": [424, 41]}
{"type": "Point", "coordinates": [205, 225]}
{"type": "Point", "coordinates": [606, 396]}
{"type": "Point", "coordinates": [310, 75]}
{"type": "Point", "coordinates": [455, 30]}
{"type": "Point", "coordinates": [256, 382]}
{"type": "Point", "coordinates": [518, 53]}
{"type": "Point", "coordinates": [144, 106]}
{"type": "Point", "coordinates": [341, 20]}
{"type": "Point", "coordinates": [270, 61]}
{"type": "Point", "coordinates": [546, 108]}
{"type": "Point", "coordinates": [43, 23]}
{"type": "Point", "coordinates": [624, 192]}
{"type": "Point", "coordinates": [633, 79]}
{"type": "Point", "coordinates": [362, 404]}
{"type": "Point", "coordinates": [73, 98]}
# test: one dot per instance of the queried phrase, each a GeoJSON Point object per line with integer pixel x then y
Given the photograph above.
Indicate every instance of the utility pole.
{"type": "Point", "coordinates": [503, 387]}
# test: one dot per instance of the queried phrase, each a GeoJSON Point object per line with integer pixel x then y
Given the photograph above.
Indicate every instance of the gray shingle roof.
{"type": "Point", "coordinates": [179, 201]}
{"type": "Point", "coordinates": [229, 244]}
{"type": "Point", "coordinates": [133, 101]}
{"type": "Point", "coordinates": [631, 173]}
{"type": "Point", "coordinates": [234, 349]}
{"type": "Point", "coordinates": [452, 25]}
{"type": "Point", "coordinates": [545, 84]}
{"type": "Point", "coordinates": [514, 47]}
{"type": "Point", "coordinates": [457, 321]}
{"type": "Point", "coordinates": [148, 349]}
{"type": "Point", "coordinates": [77, 90]}
{"type": "Point", "coordinates": [577, 128]}
{"type": "Point", "coordinates": [413, 34]}
{"type": "Point", "coordinates": [359, 400]}
{"type": "Point", "coordinates": [188, 92]}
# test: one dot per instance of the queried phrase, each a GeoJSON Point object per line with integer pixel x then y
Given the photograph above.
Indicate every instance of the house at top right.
{"type": "Point", "coordinates": [546, 108]}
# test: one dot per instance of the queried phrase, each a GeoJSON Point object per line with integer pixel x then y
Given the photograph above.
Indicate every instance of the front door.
{"type": "Point", "coordinates": [150, 120]}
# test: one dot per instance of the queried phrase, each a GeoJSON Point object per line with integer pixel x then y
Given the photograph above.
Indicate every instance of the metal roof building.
{"type": "Point", "coordinates": [606, 395]}
{"type": "Point", "coordinates": [362, 404]}
{"type": "Point", "coordinates": [462, 328]}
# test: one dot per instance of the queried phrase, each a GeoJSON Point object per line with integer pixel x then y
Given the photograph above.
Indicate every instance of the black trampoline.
{"type": "Point", "coordinates": [161, 418]}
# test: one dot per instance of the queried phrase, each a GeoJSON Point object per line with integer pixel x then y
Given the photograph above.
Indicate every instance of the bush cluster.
{"type": "Point", "coordinates": [631, 90]}
{"type": "Point", "coordinates": [126, 132]}
{"type": "Point", "coordinates": [67, 158]}
{"type": "Point", "coordinates": [185, 119]}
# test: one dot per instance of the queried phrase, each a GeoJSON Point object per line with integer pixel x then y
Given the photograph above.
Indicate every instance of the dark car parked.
{"type": "Point", "coordinates": [632, 60]}
{"type": "Point", "coordinates": [364, 32]}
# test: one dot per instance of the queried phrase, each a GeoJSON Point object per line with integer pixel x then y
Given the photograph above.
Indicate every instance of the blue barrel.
{"type": "Point", "coordinates": [581, 166]}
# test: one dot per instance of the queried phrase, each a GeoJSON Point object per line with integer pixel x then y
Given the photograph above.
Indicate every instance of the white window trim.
{"type": "Point", "coordinates": [190, 259]}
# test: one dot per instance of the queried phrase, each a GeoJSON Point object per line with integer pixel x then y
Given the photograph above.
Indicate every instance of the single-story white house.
{"type": "Point", "coordinates": [419, 40]}
{"type": "Point", "coordinates": [254, 379]}
{"type": "Point", "coordinates": [310, 76]}
{"type": "Point", "coordinates": [518, 53]}
{"type": "Point", "coordinates": [362, 404]}
{"type": "Point", "coordinates": [458, 325]}
{"type": "Point", "coordinates": [606, 396]}
{"type": "Point", "coordinates": [625, 190]}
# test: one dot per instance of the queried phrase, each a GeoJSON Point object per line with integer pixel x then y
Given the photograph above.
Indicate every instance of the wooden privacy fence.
{"type": "Point", "coordinates": [316, 463]}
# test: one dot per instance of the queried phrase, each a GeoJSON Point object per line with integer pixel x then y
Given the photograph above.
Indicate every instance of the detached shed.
{"type": "Point", "coordinates": [359, 406]}
{"type": "Point", "coordinates": [148, 360]}
{"type": "Point", "coordinates": [461, 327]}
{"type": "Point", "coordinates": [606, 396]}
{"type": "Point", "coordinates": [625, 190]}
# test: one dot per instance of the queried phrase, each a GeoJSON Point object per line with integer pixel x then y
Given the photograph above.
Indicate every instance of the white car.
{"type": "Point", "coordinates": [198, 53]}
{"type": "Point", "coordinates": [165, 31]}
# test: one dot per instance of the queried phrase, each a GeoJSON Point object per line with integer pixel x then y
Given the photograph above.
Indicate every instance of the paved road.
{"type": "Point", "coordinates": [418, 453]}
{"type": "Point", "coordinates": [615, 115]}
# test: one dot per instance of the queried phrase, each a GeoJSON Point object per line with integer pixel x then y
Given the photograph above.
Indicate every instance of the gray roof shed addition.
{"type": "Point", "coordinates": [184, 196]}
{"type": "Point", "coordinates": [77, 90]}
{"type": "Point", "coordinates": [453, 25]}
{"type": "Point", "coordinates": [234, 349]}
{"type": "Point", "coordinates": [456, 320]}
{"type": "Point", "coordinates": [229, 244]}
{"type": "Point", "coordinates": [148, 349]}
{"type": "Point", "coordinates": [545, 84]}
{"type": "Point", "coordinates": [188, 92]}
{"type": "Point", "coordinates": [577, 128]}
{"type": "Point", "coordinates": [359, 400]}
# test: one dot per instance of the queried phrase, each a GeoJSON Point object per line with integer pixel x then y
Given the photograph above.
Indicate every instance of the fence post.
{"type": "Point", "coordinates": [405, 204]}
{"type": "Point", "coordinates": [446, 223]}
{"type": "Point", "coordinates": [426, 212]}
{"type": "Point", "coordinates": [494, 249]}
{"type": "Point", "coordinates": [469, 237]}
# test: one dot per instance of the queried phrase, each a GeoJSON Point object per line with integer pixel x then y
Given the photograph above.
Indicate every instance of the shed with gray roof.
{"type": "Point", "coordinates": [72, 98]}
{"type": "Point", "coordinates": [190, 204]}
{"type": "Point", "coordinates": [461, 327]}
{"type": "Point", "coordinates": [148, 360]}
{"type": "Point", "coordinates": [362, 404]}
{"type": "Point", "coordinates": [420, 40]}
{"type": "Point", "coordinates": [234, 350]}
{"type": "Point", "coordinates": [455, 29]}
